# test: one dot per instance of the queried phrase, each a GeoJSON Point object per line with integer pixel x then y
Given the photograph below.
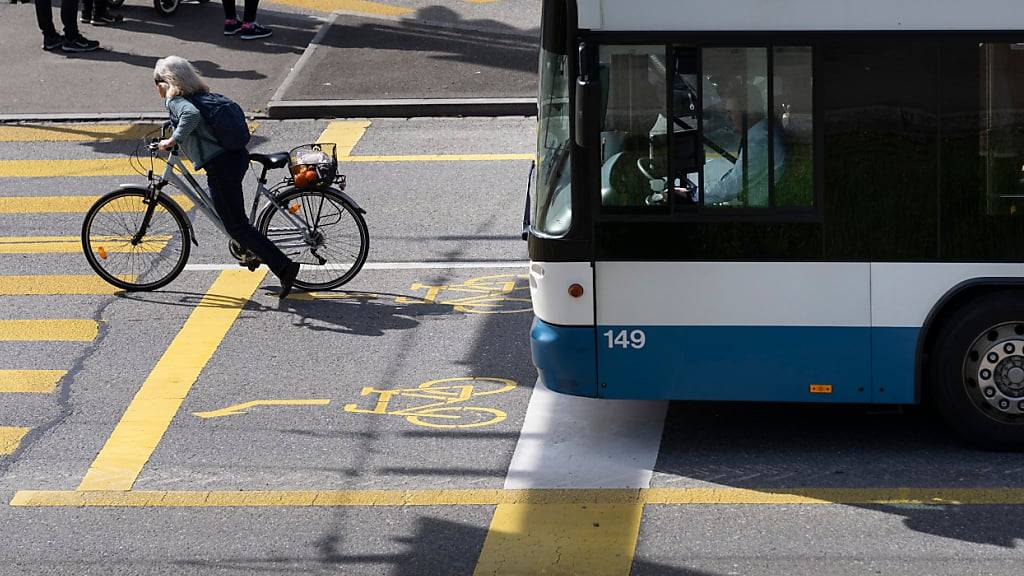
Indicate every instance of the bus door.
{"type": "Point", "coordinates": [701, 291]}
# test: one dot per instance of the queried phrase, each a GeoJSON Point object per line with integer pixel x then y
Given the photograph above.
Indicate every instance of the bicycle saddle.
{"type": "Point", "coordinates": [270, 161]}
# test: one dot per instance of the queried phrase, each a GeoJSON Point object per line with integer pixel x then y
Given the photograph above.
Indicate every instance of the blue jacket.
{"type": "Point", "coordinates": [196, 139]}
{"type": "Point", "coordinates": [724, 181]}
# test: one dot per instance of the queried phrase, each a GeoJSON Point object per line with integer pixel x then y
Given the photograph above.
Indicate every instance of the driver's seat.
{"type": "Point", "coordinates": [270, 161]}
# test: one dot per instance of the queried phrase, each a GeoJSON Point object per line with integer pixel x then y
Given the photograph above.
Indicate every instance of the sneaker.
{"type": "Point", "coordinates": [288, 279]}
{"type": "Point", "coordinates": [86, 17]}
{"type": "Point", "coordinates": [79, 44]}
{"type": "Point", "coordinates": [231, 27]}
{"type": "Point", "coordinates": [107, 19]}
{"type": "Point", "coordinates": [52, 42]}
{"type": "Point", "coordinates": [252, 31]}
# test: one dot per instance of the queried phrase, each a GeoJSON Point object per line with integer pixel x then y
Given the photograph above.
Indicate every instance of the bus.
{"type": "Point", "coordinates": [814, 201]}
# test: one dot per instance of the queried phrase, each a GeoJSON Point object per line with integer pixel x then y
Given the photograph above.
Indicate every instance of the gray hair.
{"type": "Point", "coordinates": [181, 77]}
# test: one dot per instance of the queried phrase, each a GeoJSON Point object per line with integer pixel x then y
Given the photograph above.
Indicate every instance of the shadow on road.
{"type": "Point", "coordinates": [781, 447]}
{"type": "Point", "coordinates": [435, 54]}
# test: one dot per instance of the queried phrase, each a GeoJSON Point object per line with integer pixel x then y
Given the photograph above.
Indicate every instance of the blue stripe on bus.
{"type": "Point", "coordinates": [565, 357]}
{"type": "Point", "coordinates": [893, 352]}
{"type": "Point", "coordinates": [723, 363]}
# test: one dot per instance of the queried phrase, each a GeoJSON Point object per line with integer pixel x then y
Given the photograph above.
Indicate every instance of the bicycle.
{"type": "Point", "coordinates": [152, 236]}
{"type": "Point", "coordinates": [163, 7]}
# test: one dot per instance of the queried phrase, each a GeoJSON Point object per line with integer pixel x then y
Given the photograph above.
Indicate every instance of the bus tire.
{"type": "Point", "coordinates": [977, 371]}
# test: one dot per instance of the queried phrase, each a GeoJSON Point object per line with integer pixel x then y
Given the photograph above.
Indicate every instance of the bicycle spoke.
{"type": "Point", "coordinates": [337, 231]}
{"type": "Point", "coordinates": [156, 256]}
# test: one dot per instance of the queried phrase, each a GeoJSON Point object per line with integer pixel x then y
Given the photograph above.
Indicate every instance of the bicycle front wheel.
{"type": "Point", "coordinates": [337, 244]}
{"type": "Point", "coordinates": [126, 259]}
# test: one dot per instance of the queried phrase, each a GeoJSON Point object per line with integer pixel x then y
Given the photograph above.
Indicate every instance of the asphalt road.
{"type": "Point", "coordinates": [302, 444]}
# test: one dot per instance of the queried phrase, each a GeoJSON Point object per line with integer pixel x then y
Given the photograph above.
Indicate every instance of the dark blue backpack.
{"type": "Point", "coordinates": [224, 117]}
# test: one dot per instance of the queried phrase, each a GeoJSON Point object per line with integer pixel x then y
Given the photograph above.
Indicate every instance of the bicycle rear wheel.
{"type": "Point", "coordinates": [135, 264]}
{"type": "Point", "coordinates": [340, 239]}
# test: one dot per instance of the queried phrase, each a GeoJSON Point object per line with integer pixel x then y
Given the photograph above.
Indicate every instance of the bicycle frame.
{"type": "Point", "coordinates": [202, 199]}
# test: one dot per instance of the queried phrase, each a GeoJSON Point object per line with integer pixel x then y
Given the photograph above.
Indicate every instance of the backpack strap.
{"type": "Point", "coordinates": [199, 135]}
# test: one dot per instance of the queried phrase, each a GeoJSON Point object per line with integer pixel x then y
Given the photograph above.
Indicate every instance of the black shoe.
{"type": "Point", "coordinates": [231, 27]}
{"type": "Point", "coordinates": [79, 44]}
{"type": "Point", "coordinates": [86, 17]}
{"type": "Point", "coordinates": [52, 42]}
{"type": "Point", "coordinates": [252, 31]}
{"type": "Point", "coordinates": [287, 279]}
{"type": "Point", "coordinates": [107, 19]}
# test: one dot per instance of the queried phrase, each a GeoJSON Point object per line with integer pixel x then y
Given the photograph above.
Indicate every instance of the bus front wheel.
{"type": "Point", "coordinates": [977, 371]}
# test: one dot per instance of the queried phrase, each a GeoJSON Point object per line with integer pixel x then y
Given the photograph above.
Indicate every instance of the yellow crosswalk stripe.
{"type": "Point", "coordinates": [148, 416]}
{"type": "Point", "coordinates": [10, 438]}
{"type": "Point", "coordinates": [67, 204]}
{"type": "Point", "coordinates": [30, 381]}
{"type": "Point", "coordinates": [75, 132]}
{"type": "Point", "coordinates": [82, 132]}
{"type": "Point", "coordinates": [360, 6]}
{"type": "Point", "coordinates": [542, 538]}
{"type": "Point", "coordinates": [49, 330]}
{"type": "Point", "coordinates": [345, 134]}
{"type": "Point", "coordinates": [57, 285]}
{"type": "Point", "coordinates": [71, 168]}
{"type": "Point", "coordinates": [71, 244]}
{"type": "Point", "coordinates": [720, 496]}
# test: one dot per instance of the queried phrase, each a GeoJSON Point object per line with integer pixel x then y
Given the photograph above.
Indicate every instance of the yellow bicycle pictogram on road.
{"type": "Point", "coordinates": [446, 409]}
{"type": "Point", "coordinates": [501, 294]}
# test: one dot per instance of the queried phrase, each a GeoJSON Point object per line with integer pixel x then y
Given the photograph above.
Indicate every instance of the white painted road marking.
{"type": "Point", "coordinates": [572, 442]}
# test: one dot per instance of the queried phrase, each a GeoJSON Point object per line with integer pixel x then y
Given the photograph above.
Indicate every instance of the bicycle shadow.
{"type": "Point", "coordinates": [361, 313]}
{"type": "Point", "coordinates": [356, 313]}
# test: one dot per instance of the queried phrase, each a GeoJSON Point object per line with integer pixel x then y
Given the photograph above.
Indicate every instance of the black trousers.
{"type": "Point", "coordinates": [95, 7]}
{"type": "Point", "coordinates": [68, 17]}
{"type": "Point", "coordinates": [250, 10]}
{"type": "Point", "coordinates": [224, 177]}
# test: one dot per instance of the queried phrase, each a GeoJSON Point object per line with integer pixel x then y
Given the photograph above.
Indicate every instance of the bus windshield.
{"type": "Point", "coordinates": [553, 191]}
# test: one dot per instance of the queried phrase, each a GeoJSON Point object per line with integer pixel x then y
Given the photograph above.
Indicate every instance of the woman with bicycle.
{"type": "Point", "coordinates": [176, 80]}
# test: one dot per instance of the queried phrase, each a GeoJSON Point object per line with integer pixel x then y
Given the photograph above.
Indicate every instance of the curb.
{"type": "Point", "coordinates": [402, 108]}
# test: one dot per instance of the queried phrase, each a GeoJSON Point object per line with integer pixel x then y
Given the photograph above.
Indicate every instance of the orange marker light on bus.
{"type": "Point", "coordinates": [575, 290]}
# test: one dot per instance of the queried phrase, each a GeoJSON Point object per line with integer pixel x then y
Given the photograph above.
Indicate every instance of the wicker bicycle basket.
{"type": "Point", "coordinates": [313, 165]}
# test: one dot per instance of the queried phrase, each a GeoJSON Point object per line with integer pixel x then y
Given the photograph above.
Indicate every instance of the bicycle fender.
{"type": "Point", "coordinates": [350, 201]}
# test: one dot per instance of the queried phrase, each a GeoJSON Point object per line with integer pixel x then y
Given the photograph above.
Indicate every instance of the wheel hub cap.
{"type": "Point", "coordinates": [999, 371]}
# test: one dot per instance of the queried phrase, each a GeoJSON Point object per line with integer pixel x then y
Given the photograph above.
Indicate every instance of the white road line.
{"type": "Point", "coordinates": [572, 442]}
{"type": "Point", "coordinates": [388, 265]}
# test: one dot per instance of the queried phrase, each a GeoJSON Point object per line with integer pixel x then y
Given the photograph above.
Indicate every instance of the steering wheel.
{"type": "Point", "coordinates": [644, 171]}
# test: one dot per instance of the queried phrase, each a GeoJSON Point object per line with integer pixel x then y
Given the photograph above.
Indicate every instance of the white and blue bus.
{"type": "Point", "coordinates": [790, 201]}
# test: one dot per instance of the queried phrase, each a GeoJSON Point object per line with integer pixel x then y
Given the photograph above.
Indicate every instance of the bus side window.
{"type": "Point", "coordinates": [634, 162]}
{"type": "Point", "coordinates": [735, 118]}
{"type": "Point", "coordinates": [793, 96]}
{"type": "Point", "coordinates": [685, 127]}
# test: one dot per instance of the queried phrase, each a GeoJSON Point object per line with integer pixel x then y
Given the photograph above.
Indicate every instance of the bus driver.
{"type": "Point", "coordinates": [725, 178]}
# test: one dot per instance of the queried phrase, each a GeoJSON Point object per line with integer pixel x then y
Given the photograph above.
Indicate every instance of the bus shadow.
{"type": "Point", "coordinates": [775, 448]}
